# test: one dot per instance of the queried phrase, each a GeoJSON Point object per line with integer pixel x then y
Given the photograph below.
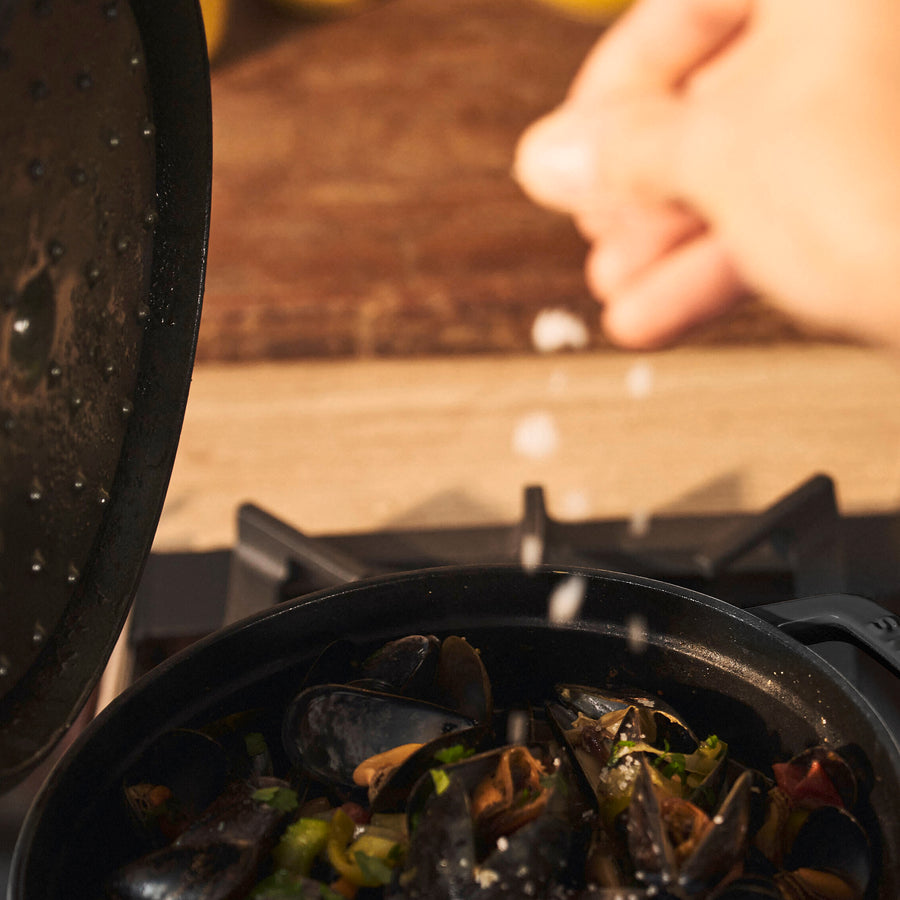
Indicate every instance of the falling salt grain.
{"type": "Point", "coordinates": [536, 435]}
{"type": "Point", "coordinates": [636, 634]}
{"type": "Point", "coordinates": [639, 523]}
{"type": "Point", "coordinates": [558, 382]}
{"type": "Point", "coordinates": [566, 600]}
{"type": "Point", "coordinates": [531, 552]}
{"type": "Point", "coordinates": [639, 380]}
{"type": "Point", "coordinates": [502, 844]}
{"type": "Point", "coordinates": [517, 727]}
{"type": "Point", "coordinates": [486, 878]}
{"type": "Point", "coordinates": [575, 505]}
{"type": "Point", "coordinates": [558, 329]}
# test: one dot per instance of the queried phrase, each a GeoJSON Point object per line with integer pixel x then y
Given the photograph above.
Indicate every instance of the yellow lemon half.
{"type": "Point", "coordinates": [592, 10]}
{"type": "Point", "coordinates": [215, 21]}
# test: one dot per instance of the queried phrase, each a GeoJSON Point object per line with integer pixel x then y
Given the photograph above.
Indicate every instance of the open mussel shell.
{"type": "Point", "coordinates": [462, 680]}
{"type": "Point", "coordinates": [393, 789]}
{"type": "Point", "coordinates": [445, 672]}
{"type": "Point", "coordinates": [836, 766]}
{"type": "Point", "coordinates": [330, 729]}
{"type": "Point", "coordinates": [453, 855]}
{"type": "Point", "coordinates": [659, 723]}
{"type": "Point", "coordinates": [216, 858]}
{"type": "Point", "coordinates": [710, 848]}
{"type": "Point", "coordinates": [832, 840]}
{"type": "Point", "coordinates": [406, 666]}
{"type": "Point", "coordinates": [174, 780]}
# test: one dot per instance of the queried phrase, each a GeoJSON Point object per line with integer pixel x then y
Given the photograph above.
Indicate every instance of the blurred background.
{"type": "Point", "coordinates": [393, 335]}
{"type": "Point", "coordinates": [395, 339]}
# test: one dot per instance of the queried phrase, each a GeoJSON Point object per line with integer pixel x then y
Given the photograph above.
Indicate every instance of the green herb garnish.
{"type": "Point", "coordinates": [255, 744]}
{"type": "Point", "coordinates": [375, 870]}
{"type": "Point", "coordinates": [453, 754]}
{"type": "Point", "coordinates": [620, 749]}
{"type": "Point", "coordinates": [441, 780]}
{"type": "Point", "coordinates": [281, 798]}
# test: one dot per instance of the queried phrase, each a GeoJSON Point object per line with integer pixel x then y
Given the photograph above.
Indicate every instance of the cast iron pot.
{"type": "Point", "coordinates": [727, 670]}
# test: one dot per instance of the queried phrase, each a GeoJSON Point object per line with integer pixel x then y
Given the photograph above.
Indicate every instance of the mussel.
{"type": "Point", "coordinates": [409, 785]}
{"type": "Point", "coordinates": [217, 857]}
{"type": "Point", "coordinates": [608, 735]}
{"type": "Point", "coordinates": [500, 824]}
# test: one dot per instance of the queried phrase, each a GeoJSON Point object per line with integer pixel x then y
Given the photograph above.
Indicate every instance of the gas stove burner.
{"type": "Point", "coordinates": [800, 546]}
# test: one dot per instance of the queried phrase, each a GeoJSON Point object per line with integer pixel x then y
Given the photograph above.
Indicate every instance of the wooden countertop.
{"type": "Point", "coordinates": [362, 201]}
{"type": "Point", "coordinates": [334, 446]}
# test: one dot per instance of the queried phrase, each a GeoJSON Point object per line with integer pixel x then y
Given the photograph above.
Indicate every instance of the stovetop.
{"type": "Point", "coordinates": [801, 546]}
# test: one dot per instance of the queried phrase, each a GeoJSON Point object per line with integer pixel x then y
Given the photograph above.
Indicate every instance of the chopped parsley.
{"type": "Point", "coordinates": [280, 798]}
{"type": "Point", "coordinates": [374, 869]}
{"type": "Point", "coordinates": [453, 754]}
{"type": "Point", "coordinates": [620, 749]}
{"type": "Point", "coordinates": [671, 765]}
{"type": "Point", "coordinates": [255, 744]}
{"type": "Point", "coordinates": [441, 780]}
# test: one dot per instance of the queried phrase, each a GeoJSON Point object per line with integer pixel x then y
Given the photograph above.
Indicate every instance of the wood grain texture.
{"type": "Point", "coordinates": [357, 445]}
{"type": "Point", "coordinates": [362, 198]}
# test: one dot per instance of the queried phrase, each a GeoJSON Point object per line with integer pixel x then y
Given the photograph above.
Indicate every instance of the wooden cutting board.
{"type": "Point", "coordinates": [362, 198]}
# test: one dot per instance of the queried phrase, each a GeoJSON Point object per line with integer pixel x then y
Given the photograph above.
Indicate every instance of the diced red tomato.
{"type": "Point", "coordinates": [807, 787]}
{"type": "Point", "coordinates": [359, 814]}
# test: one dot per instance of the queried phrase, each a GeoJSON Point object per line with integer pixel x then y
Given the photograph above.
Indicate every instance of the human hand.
{"type": "Point", "coordinates": [711, 148]}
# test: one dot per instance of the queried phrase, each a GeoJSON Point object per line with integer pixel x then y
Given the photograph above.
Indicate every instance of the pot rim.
{"type": "Point", "coordinates": [314, 609]}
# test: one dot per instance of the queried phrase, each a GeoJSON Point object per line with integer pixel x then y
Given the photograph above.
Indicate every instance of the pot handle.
{"type": "Point", "coordinates": [856, 620]}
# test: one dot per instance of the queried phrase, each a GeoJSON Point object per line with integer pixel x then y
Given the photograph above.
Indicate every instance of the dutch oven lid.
{"type": "Point", "coordinates": [105, 169]}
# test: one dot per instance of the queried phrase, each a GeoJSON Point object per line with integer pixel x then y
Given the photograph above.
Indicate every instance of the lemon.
{"type": "Point", "coordinates": [215, 21]}
{"type": "Point", "coordinates": [593, 10]}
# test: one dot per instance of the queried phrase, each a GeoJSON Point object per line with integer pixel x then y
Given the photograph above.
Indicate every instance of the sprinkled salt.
{"type": "Point", "coordinates": [558, 382]}
{"type": "Point", "coordinates": [558, 329]}
{"type": "Point", "coordinates": [636, 635]}
{"type": "Point", "coordinates": [536, 435]}
{"type": "Point", "coordinates": [639, 523]}
{"type": "Point", "coordinates": [575, 505]}
{"type": "Point", "coordinates": [502, 844]}
{"type": "Point", "coordinates": [517, 727]}
{"type": "Point", "coordinates": [531, 552]}
{"type": "Point", "coordinates": [639, 380]}
{"type": "Point", "coordinates": [566, 599]}
{"type": "Point", "coordinates": [486, 877]}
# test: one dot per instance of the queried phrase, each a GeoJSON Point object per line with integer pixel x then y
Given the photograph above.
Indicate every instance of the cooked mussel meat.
{"type": "Point", "coordinates": [499, 824]}
{"type": "Point", "coordinates": [609, 735]}
{"type": "Point", "coordinates": [329, 730]}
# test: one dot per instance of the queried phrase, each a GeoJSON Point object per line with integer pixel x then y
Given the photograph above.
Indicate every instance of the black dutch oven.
{"type": "Point", "coordinates": [105, 135]}
{"type": "Point", "coordinates": [728, 671]}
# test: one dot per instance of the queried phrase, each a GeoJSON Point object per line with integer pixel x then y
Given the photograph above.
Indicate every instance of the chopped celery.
{"type": "Point", "coordinates": [300, 844]}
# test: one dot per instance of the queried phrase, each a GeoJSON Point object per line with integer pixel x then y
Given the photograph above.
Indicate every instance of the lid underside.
{"type": "Point", "coordinates": [87, 326]}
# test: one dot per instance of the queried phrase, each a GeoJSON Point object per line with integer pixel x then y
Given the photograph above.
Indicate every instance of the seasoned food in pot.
{"type": "Point", "coordinates": [395, 777]}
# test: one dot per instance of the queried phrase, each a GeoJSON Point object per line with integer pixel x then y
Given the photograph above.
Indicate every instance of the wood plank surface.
{"type": "Point", "coordinates": [362, 198]}
{"type": "Point", "coordinates": [335, 446]}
